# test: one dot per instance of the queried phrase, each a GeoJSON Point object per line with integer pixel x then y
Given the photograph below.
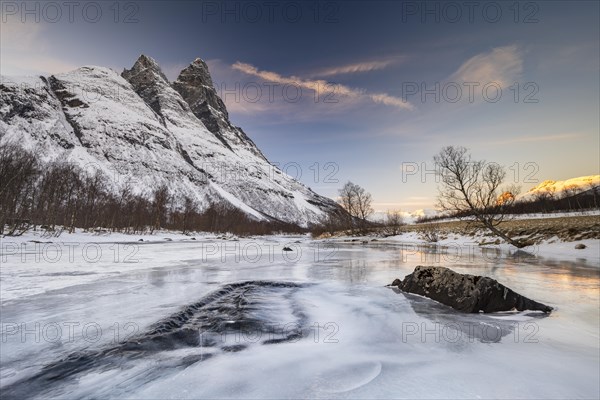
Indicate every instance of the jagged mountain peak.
{"type": "Point", "coordinates": [147, 66]}
{"type": "Point", "coordinates": [196, 73]}
{"type": "Point", "coordinates": [147, 62]}
{"type": "Point", "coordinates": [195, 85]}
{"type": "Point", "coordinates": [150, 83]}
{"type": "Point", "coordinates": [191, 92]}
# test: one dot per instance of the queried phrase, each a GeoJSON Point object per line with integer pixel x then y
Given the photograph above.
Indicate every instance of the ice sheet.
{"type": "Point", "coordinates": [358, 338]}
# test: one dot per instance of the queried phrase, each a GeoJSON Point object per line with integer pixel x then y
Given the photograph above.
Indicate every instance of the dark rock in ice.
{"type": "Point", "coordinates": [287, 249]}
{"type": "Point", "coordinates": [464, 292]}
{"type": "Point", "coordinates": [580, 246]}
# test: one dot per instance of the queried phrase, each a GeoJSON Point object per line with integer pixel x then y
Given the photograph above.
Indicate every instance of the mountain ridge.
{"type": "Point", "coordinates": [576, 184]}
{"type": "Point", "coordinates": [145, 131]}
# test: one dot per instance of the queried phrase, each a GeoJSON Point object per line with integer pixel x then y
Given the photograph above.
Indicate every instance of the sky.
{"type": "Point", "coordinates": [367, 91]}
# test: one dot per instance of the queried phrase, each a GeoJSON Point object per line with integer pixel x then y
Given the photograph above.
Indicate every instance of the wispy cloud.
{"type": "Point", "coordinates": [366, 66]}
{"type": "Point", "coordinates": [502, 65]}
{"type": "Point", "coordinates": [323, 87]}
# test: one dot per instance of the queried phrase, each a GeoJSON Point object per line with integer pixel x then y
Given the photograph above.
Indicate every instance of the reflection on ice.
{"type": "Point", "coordinates": [450, 325]}
{"type": "Point", "coordinates": [180, 326]}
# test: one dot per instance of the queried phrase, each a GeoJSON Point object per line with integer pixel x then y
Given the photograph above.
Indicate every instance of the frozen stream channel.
{"type": "Point", "coordinates": [242, 319]}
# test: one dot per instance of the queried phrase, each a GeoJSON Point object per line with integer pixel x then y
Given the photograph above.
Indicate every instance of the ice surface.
{"type": "Point", "coordinates": [355, 337]}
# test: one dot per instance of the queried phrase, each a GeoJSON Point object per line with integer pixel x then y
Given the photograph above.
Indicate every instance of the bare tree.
{"type": "Point", "coordinates": [363, 203]}
{"type": "Point", "coordinates": [347, 199]}
{"type": "Point", "coordinates": [18, 173]}
{"type": "Point", "coordinates": [572, 192]}
{"type": "Point", "coordinates": [393, 222]}
{"type": "Point", "coordinates": [567, 194]}
{"type": "Point", "coordinates": [595, 189]}
{"type": "Point", "coordinates": [546, 197]}
{"type": "Point", "coordinates": [189, 207]}
{"type": "Point", "coordinates": [159, 207]}
{"type": "Point", "coordinates": [357, 202]}
{"type": "Point", "coordinates": [474, 188]}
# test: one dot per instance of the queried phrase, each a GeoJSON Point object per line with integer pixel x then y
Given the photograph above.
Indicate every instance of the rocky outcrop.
{"type": "Point", "coordinates": [196, 86]}
{"type": "Point", "coordinates": [144, 76]}
{"type": "Point", "coordinates": [464, 292]}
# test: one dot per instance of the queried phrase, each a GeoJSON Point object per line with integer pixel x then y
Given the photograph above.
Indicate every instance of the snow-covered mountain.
{"type": "Point", "coordinates": [574, 185]}
{"type": "Point", "coordinates": [143, 131]}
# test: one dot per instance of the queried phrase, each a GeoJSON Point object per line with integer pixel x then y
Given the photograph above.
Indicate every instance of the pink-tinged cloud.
{"type": "Point", "coordinates": [366, 66]}
{"type": "Point", "coordinates": [323, 87]}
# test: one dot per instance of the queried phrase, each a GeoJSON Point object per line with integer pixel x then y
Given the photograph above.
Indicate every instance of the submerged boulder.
{"type": "Point", "coordinates": [464, 292]}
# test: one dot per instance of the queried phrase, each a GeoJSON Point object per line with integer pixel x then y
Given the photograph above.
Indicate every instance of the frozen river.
{"type": "Point", "coordinates": [243, 319]}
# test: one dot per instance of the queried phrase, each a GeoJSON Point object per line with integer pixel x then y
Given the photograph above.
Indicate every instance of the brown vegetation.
{"type": "Point", "coordinates": [59, 196]}
{"type": "Point", "coordinates": [530, 230]}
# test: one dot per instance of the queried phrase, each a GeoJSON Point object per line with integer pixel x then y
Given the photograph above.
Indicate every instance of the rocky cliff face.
{"type": "Point", "coordinates": [195, 86]}
{"type": "Point", "coordinates": [142, 131]}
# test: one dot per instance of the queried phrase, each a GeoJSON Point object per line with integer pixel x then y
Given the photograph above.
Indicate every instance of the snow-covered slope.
{"type": "Point", "coordinates": [142, 132]}
{"type": "Point", "coordinates": [580, 184]}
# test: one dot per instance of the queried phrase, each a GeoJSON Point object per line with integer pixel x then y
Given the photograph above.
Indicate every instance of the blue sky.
{"type": "Point", "coordinates": [369, 63]}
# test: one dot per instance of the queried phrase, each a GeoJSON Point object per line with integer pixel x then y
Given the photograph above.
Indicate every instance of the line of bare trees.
{"type": "Point", "coordinates": [355, 219]}
{"type": "Point", "coordinates": [63, 196]}
{"type": "Point", "coordinates": [571, 198]}
{"type": "Point", "coordinates": [59, 196]}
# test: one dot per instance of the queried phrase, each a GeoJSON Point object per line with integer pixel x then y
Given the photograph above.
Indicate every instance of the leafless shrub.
{"type": "Point", "coordinates": [393, 223]}
{"type": "Point", "coordinates": [430, 234]}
